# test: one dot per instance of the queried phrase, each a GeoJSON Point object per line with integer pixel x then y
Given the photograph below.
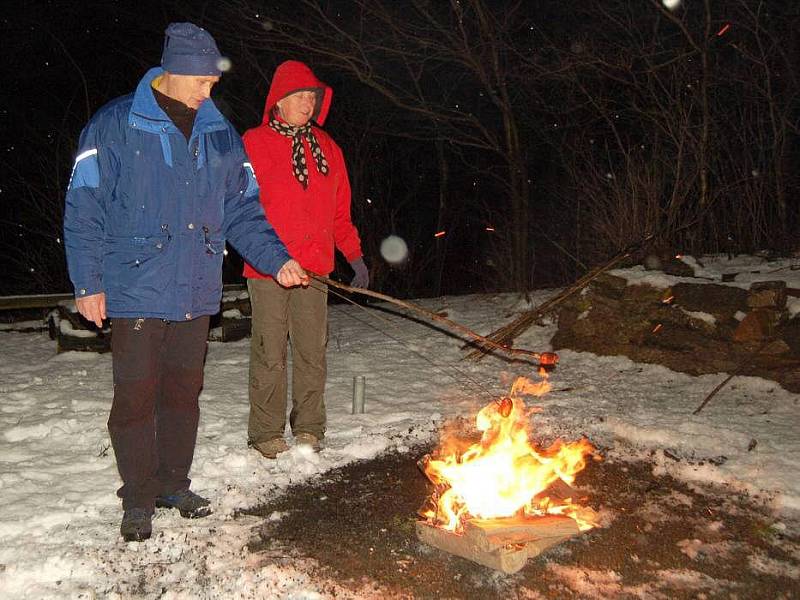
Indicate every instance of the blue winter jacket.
{"type": "Point", "coordinates": [147, 214]}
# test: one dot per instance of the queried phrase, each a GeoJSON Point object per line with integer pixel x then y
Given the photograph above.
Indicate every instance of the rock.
{"type": "Point", "coordinates": [666, 261]}
{"type": "Point", "coordinates": [670, 337]}
{"type": "Point", "coordinates": [645, 324]}
{"type": "Point", "coordinates": [722, 301]}
{"type": "Point", "coordinates": [677, 268]}
{"type": "Point", "coordinates": [759, 324]}
{"type": "Point", "coordinates": [767, 294]}
{"type": "Point", "coordinates": [601, 321]}
{"type": "Point", "coordinates": [790, 334]}
{"type": "Point", "coordinates": [642, 297]}
{"type": "Point", "coordinates": [696, 322]}
{"type": "Point", "coordinates": [609, 285]}
{"type": "Point", "coordinates": [234, 330]}
{"type": "Point", "coordinates": [652, 262]}
{"type": "Point", "coordinates": [73, 333]}
{"type": "Point", "coordinates": [775, 348]}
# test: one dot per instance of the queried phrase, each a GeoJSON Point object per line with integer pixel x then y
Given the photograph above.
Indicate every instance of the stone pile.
{"type": "Point", "coordinates": [697, 328]}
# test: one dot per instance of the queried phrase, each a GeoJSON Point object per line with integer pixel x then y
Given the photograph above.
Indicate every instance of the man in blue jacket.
{"type": "Point", "coordinates": [160, 181]}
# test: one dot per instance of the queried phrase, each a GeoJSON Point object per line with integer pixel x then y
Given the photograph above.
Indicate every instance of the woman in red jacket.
{"type": "Point", "coordinates": [305, 192]}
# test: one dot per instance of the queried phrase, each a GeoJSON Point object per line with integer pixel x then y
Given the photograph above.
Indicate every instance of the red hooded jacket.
{"type": "Point", "coordinates": [309, 221]}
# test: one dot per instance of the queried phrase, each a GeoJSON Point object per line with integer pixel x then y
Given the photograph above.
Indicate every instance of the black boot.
{"type": "Point", "coordinates": [137, 525]}
{"type": "Point", "coordinates": [190, 505]}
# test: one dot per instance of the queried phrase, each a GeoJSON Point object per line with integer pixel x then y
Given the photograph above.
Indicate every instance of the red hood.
{"type": "Point", "coordinates": [290, 77]}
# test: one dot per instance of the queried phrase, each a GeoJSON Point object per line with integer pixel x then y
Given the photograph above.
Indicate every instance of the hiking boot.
{"type": "Point", "coordinates": [190, 505]}
{"type": "Point", "coordinates": [271, 448]}
{"type": "Point", "coordinates": [308, 439]}
{"type": "Point", "coordinates": [137, 525]}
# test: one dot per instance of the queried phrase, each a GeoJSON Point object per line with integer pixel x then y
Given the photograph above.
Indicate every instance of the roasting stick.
{"type": "Point", "coordinates": [544, 358]}
{"type": "Point", "coordinates": [463, 376]}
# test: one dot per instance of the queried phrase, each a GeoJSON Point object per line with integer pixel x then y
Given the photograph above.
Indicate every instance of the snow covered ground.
{"type": "Point", "coordinates": [59, 519]}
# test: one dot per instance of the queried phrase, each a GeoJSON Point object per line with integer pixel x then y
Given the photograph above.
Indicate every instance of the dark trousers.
{"type": "Point", "coordinates": [158, 374]}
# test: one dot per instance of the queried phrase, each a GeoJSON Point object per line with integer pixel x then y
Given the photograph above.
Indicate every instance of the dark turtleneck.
{"type": "Point", "coordinates": [180, 114]}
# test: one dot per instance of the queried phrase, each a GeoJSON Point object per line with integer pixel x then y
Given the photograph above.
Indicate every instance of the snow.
{"type": "Point", "coordinates": [746, 269]}
{"type": "Point", "coordinates": [16, 326]}
{"type": "Point", "coordinates": [793, 306]}
{"type": "Point", "coordinates": [60, 517]}
{"type": "Point", "coordinates": [701, 316]}
{"type": "Point", "coordinates": [67, 329]}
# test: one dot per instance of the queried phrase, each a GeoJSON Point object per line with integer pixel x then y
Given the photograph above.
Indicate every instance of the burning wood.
{"type": "Point", "coordinates": [508, 559]}
{"type": "Point", "coordinates": [501, 500]}
{"type": "Point", "coordinates": [501, 544]}
{"type": "Point", "coordinates": [491, 535]}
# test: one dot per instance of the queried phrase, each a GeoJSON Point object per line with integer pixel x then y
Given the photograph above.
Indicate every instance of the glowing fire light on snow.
{"type": "Point", "coordinates": [504, 474]}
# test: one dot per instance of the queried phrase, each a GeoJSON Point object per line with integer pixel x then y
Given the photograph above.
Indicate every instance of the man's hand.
{"type": "Point", "coordinates": [93, 308]}
{"type": "Point", "coordinates": [292, 274]}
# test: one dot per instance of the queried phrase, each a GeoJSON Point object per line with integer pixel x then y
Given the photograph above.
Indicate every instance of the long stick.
{"type": "Point", "coordinates": [508, 332]}
{"type": "Point", "coordinates": [736, 372]}
{"type": "Point", "coordinates": [549, 358]}
{"type": "Point", "coordinates": [741, 366]}
{"type": "Point", "coordinates": [714, 391]}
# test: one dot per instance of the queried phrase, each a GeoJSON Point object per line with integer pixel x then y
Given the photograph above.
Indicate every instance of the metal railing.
{"type": "Point", "coordinates": [53, 300]}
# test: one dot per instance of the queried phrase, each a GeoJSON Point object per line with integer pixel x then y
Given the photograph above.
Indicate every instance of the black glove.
{"type": "Point", "coordinates": [361, 278]}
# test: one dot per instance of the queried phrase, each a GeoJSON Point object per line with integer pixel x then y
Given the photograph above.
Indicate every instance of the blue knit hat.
{"type": "Point", "coordinates": [190, 50]}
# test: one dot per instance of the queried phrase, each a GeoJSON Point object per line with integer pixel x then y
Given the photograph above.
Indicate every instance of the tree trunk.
{"type": "Point", "coordinates": [518, 188]}
{"type": "Point", "coordinates": [441, 242]}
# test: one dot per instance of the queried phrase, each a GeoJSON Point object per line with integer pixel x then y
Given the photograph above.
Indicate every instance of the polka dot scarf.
{"type": "Point", "coordinates": [299, 163]}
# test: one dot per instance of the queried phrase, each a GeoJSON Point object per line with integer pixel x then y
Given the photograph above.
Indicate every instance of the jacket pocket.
{"type": "Point", "coordinates": [136, 271]}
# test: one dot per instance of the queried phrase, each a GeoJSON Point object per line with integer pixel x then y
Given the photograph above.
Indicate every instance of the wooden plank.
{"type": "Point", "coordinates": [492, 534]}
{"type": "Point", "coordinates": [52, 300]}
{"type": "Point", "coordinates": [37, 301]}
{"type": "Point", "coordinates": [508, 560]}
{"type": "Point", "coordinates": [558, 490]}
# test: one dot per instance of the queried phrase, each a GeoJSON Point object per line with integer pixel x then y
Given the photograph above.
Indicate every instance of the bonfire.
{"type": "Point", "coordinates": [504, 482]}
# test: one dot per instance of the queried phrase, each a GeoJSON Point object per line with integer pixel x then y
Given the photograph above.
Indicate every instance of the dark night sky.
{"type": "Point", "coordinates": [66, 59]}
{"type": "Point", "coordinates": [63, 59]}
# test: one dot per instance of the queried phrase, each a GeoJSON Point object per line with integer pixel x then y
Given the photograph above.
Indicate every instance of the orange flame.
{"type": "Point", "coordinates": [504, 473]}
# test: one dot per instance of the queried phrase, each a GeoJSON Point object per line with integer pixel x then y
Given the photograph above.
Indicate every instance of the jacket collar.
{"type": "Point", "coordinates": [146, 114]}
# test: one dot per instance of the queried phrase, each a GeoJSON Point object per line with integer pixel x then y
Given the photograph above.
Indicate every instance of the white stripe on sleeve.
{"type": "Point", "coordinates": [85, 154]}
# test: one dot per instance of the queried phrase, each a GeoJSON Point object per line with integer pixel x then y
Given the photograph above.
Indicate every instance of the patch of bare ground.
{"type": "Point", "coordinates": [663, 539]}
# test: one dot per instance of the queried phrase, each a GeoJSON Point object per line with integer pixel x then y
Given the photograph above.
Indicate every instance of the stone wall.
{"type": "Point", "coordinates": [691, 327]}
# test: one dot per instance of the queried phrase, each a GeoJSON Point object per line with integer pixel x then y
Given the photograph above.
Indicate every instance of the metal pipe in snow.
{"type": "Point", "coordinates": [359, 384]}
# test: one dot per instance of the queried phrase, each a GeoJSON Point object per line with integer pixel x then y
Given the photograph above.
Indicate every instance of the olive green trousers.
{"type": "Point", "coordinates": [281, 315]}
